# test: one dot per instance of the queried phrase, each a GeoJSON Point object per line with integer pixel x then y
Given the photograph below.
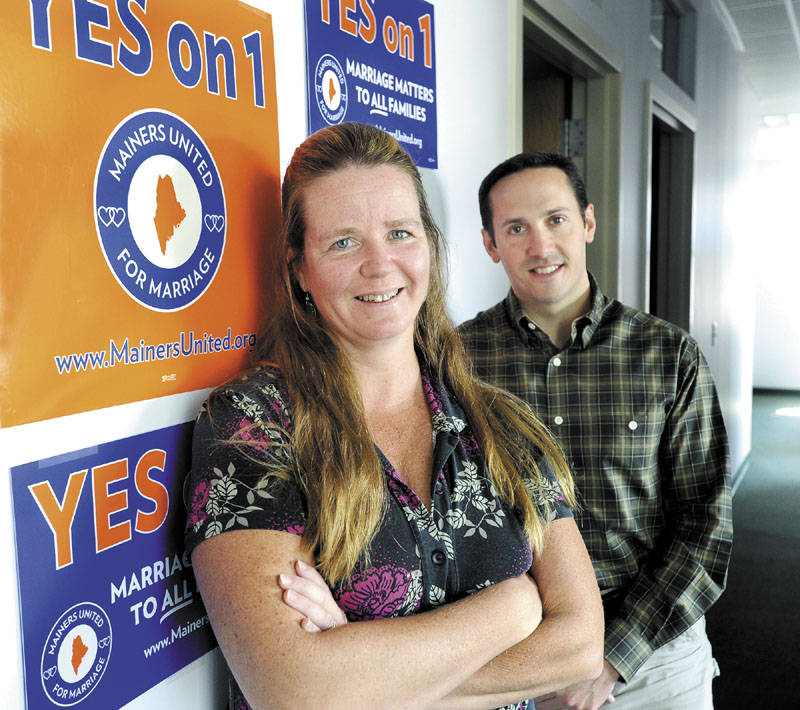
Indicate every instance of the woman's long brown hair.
{"type": "Point", "coordinates": [333, 457]}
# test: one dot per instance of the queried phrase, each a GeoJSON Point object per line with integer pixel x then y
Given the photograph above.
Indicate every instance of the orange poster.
{"type": "Point", "coordinates": [139, 184]}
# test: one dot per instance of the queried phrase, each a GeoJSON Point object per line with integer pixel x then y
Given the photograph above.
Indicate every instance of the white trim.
{"type": "Point", "coordinates": [729, 24]}
{"type": "Point", "coordinates": [793, 23]}
{"type": "Point", "coordinates": [581, 40]}
{"type": "Point", "coordinates": [673, 112]}
{"type": "Point", "coordinates": [515, 76]}
{"type": "Point", "coordinates": [676, 107]}
{"type": "Point", "coordinates": [740, 473]}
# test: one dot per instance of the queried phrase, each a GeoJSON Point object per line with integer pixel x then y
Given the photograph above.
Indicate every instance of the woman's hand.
{"type": "Point", "coordinates": [587, 695]}
{"type": "Point", "coordinates": [525, 593]}
{"type": "Point", "coordinates": [307, 593]}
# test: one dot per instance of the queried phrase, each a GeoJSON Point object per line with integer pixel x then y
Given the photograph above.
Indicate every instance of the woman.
{"type": "Point", "coordinates": [362, 447]}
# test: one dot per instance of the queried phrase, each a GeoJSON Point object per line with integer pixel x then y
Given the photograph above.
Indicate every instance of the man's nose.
{"type": "Point", "coordinates": [540, 242]}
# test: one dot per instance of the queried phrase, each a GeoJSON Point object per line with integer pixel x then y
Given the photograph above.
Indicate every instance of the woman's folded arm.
{"type": "Point", "coordinates": [565, 648]}
{"type": "Point", "coordinates": [404, 662]}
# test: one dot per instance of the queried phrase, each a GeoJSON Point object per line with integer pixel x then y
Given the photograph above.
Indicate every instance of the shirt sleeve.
{"type": "Point", "coordinates": [240, 442]}
{"type": "Point", "coordinates": [688, 570]}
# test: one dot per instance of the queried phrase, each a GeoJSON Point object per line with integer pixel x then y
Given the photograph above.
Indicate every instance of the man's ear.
{"type": "Point", "coordinates": [489, 245]}
{"type": "Point", "coordinates": [591, 223]}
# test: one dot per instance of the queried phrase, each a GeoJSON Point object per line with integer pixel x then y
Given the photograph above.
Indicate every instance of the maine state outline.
{"type": "Point", "coordinates": [169, 211]}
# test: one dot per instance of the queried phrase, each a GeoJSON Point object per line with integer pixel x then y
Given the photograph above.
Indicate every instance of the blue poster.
{"type": "Point", "coordinates": [109, 604]}
{"type": "Point", "coordinates": [373, 61]}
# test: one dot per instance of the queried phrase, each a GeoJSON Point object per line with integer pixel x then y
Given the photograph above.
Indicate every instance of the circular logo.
{"type": "Point", "coordinates": [76, 654]}
{"type": "Point", "coordinates": [159, 209]}
{"type": "Point", "coordinates": [330, 88]}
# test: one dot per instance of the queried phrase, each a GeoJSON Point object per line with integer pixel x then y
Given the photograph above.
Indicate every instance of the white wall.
{"type": "Point", "coordinates": [477, 54]}
{"type": "Point", "coordinates": [725, 115]}
{"type": "Point", "coordinates": [773, 263]}
{"type": "Point", "coordinates": [195, 684]}
{"type": "Point", "coordinates": [198, 685]}
{"type": "Point", "coordinates": [725, 210]}
{"type": "Point", "coordinates": [475, 47]}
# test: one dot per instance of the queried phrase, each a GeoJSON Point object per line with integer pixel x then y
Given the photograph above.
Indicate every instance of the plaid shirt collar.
{"type": "Point", "coordinates": [583, 327]}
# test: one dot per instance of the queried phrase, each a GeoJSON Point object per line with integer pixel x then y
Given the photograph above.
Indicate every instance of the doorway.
{"type": "Point", "coordinates": [553, 107]}
{"type": "Point", "coordinates": [671, 250]}
{"type": "Point", "coordinates": [571, 104]}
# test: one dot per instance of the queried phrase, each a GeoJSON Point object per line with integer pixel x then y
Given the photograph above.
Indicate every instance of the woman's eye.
{"type": "Point", "coordinates": [343, 243]}
{"type": "Point", "coordinates": [399, 234]}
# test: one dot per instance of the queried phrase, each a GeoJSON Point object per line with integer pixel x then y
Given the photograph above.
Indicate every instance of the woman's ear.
{"type": "Point", "coordinates": [290, 255]}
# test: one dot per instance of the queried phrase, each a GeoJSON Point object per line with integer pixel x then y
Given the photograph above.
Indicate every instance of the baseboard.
{"type": "Point", "coordinates": [780, 392]}
{"type": "Point", "coordinates": [739, 474]}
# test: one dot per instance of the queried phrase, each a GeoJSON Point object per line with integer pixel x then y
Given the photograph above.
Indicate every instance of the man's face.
{"type": "Point", "coordinates": [540, 237]}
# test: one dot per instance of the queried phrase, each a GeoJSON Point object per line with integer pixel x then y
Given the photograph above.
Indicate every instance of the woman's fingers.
{"type": "Point", "coordinates": [308, 625]}
{"type": "Point", "coordinates": [308, 572]}
{"type": "Point", "coordinates": [317, 615]}
{"type": "Point", "coordinates": [309, 595]}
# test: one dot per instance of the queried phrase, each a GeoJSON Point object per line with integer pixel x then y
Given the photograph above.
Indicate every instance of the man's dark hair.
{"type": "Point", "coordinates": [524, 161]}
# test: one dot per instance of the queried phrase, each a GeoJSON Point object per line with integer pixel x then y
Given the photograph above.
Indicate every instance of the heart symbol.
{"type": "Point", "coordinates": [214, 222]}
{"type": "Point", "coordinates": [111, 215]}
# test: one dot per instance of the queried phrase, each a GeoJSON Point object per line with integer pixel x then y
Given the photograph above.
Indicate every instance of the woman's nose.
{"type": "Point", "coordinates": [376, 258]}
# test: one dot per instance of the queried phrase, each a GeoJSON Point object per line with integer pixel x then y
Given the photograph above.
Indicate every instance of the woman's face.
{"type": "Point", "coordinates": [366, 257]}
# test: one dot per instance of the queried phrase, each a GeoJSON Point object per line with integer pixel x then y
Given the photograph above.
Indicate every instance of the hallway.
{"type": "Point", "coordinates": [755, 627]}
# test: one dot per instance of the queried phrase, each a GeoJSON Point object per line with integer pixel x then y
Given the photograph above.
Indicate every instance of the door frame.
{"type": "Point", "coordinates": [659, 104]}
{"type": "Point", "coordinates": [568, 41]}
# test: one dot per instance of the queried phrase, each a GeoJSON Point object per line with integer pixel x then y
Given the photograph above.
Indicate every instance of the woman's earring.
{"type": "Point", "coordinates": [309, 304]}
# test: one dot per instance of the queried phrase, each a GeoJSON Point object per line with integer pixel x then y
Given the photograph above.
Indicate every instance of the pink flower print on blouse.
{"type": "Point", "coordinates": [404, 495]}
{"type": "Point", "coordinates": [295, 529]}
{"type": "Point", "coordinates": [280, 414]}
{"type": "Point", "coordinates": [248, 432]}
{"type": "Point", "coordinates": [199, 499]}
{"type": "Point", "coordinates": [434, 400]}
{"type": "Point", "coordinates": [375, 593]}
{"type": "Point", "coordinates": [469, 443]}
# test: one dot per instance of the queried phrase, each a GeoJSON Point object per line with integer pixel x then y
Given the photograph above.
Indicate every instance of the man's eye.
{"type": "Point", "coordinates": [558, 219]}
{"type": "Point", "coordinates": [516, 229]}
{"type": "Point", "coordinates": [343, 243]}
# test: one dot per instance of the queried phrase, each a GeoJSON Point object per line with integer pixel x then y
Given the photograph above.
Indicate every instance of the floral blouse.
{"type": "Point", "coordinates": [419, 559]}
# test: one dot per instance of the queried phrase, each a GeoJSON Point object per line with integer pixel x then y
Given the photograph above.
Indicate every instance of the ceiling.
{"type": "Point", "coordinates": [766, 33]}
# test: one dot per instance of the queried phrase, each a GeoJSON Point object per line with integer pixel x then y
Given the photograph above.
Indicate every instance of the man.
{"type": "Point", "coordinates": [632, 400]}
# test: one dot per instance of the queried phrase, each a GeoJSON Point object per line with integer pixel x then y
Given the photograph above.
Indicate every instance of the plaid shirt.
{"type": "Point", "coordinates": [632, 400]}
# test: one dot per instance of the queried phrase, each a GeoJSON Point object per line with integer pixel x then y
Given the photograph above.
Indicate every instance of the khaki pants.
{"type": "Point", "coordinates": [676, 677]}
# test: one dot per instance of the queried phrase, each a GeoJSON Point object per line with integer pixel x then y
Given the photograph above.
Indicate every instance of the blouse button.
{"type": "Point", "coordinates": [438, 488]}
{"type": "Point", "coordinates": [558, 421]}
{"type": "Point", "coordinates": [437, 557]}
{"type": "Point", "coordinates": [633, 425]}
{"type": "Point", "coordinates": [557, 361]}
{"type": "Point", "coordinates": [532, 326]}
